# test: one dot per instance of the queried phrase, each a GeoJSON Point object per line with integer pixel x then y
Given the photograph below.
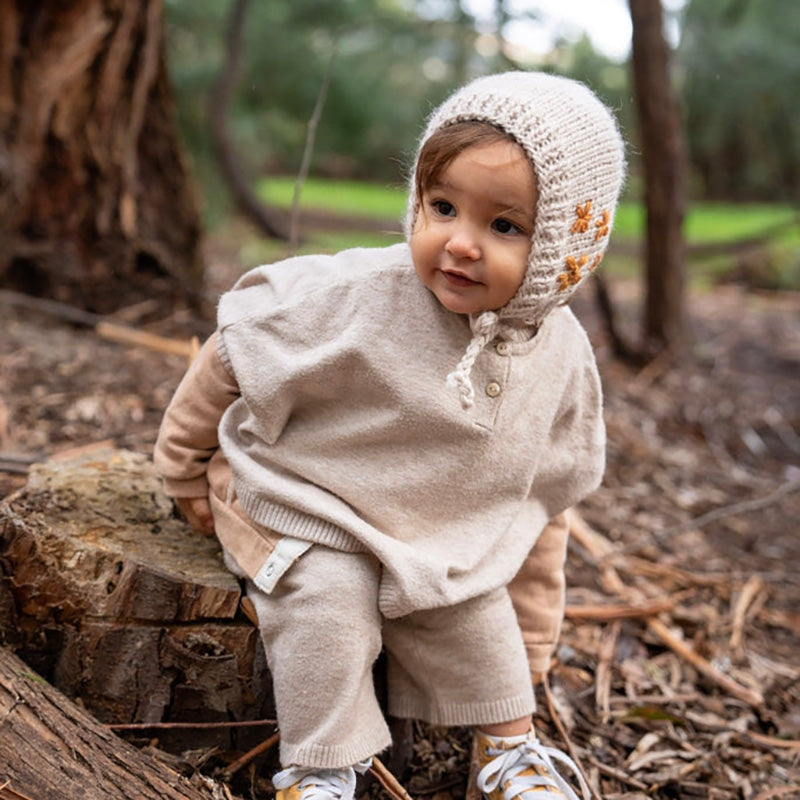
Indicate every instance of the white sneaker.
{"type": "Point", "coordinates": [522, 768]}
{"type": "Point", "coordinates": [309, 783]}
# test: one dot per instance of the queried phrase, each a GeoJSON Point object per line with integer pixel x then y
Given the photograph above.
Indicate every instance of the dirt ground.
{"type": "Point", "coordinates": [677, 673]}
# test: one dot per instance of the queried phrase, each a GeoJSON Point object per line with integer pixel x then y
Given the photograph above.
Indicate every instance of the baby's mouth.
{"type": "Point", "coordinates": [458, 279]}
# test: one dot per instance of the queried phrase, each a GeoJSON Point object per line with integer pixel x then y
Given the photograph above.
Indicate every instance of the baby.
{"type": "Point", "coordinates": [386, 443]}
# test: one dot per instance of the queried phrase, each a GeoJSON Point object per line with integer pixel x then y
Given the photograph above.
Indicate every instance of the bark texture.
{"type": "Point", "coordinates": [117, 602]}
{"type": "Point", "coordinates": [96, 208]}
{"type": "Point", "coordinates": [50, 748]}
{"type": "Point", "coordinates": [665, 170]}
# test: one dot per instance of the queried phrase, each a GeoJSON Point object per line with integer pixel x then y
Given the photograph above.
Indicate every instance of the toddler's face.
{"type": "Point", "coordinates": [472, 236]}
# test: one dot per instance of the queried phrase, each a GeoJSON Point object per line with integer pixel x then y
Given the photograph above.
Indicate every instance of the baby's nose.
{"type": "Point", "coordinates": [463, 243]}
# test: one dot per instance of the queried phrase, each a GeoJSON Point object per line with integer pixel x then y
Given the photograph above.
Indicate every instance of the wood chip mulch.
{"type": "Point", "coordinates": [678, 671]}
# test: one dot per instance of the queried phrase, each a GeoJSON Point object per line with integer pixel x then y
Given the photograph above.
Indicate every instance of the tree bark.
{"type": "Point", "coordinates": [665, 170]}
{"type": "Point", "coordinates": [117, 602]}
{"type": "Point", "coordinates": [96, 207]}
{"type": "Point", "coordinates": [51, 748]}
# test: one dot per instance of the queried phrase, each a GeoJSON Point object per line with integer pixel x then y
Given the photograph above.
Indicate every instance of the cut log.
{"type": "Point", "coordinates": [51, 748]}
{"type": "Point", "coordinates": [114, 600]}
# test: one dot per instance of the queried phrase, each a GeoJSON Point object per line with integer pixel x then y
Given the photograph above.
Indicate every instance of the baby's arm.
{"type": "Point", "coordinates": [538, 594]}
{"type": "Point", "coordinates": [188, 435]}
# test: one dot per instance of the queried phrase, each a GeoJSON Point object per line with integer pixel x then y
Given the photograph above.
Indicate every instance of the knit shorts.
{"type": "Point", "coordinates": [322, 632]}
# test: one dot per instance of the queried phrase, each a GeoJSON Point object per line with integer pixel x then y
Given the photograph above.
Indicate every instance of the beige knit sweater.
{"type": "Point", "coordinates": [324, 387]}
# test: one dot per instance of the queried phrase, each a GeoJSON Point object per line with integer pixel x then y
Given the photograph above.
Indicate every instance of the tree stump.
{"type": "Point", "coordinates": [51, 748]}
{"type": "Point", "coordinates": [115, 601]}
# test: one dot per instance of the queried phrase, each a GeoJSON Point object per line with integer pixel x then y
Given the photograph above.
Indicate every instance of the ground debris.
{"type": "Point", "coordinates": [684, 588]}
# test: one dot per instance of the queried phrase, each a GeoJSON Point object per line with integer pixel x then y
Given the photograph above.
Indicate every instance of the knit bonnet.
{"type": "Point", "coordinates": [577, 154]}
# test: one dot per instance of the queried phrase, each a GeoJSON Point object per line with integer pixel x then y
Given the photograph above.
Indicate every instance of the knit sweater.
{"type": "Point", "coordinates": [339, 429]}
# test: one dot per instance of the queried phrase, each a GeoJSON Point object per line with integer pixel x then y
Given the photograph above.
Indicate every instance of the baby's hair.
{"type": "Point", "coordinates": [449, 141]}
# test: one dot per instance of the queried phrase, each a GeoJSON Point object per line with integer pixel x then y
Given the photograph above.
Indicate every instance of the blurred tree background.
{"type": "Point", "coordinates": [736, 69]}
{"type": "Point", "coordinates": [247, 81]}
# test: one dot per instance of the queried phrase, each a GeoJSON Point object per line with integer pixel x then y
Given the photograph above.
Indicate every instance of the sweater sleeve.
{"type": "Point", "coordinates": [538, 593]}
{"type": "Point", "coordinates": [188, 435]}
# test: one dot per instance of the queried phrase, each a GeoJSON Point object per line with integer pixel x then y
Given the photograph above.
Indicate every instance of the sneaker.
{"type": "Point", "coordinates": [309, 783]}
{"type": "Point", "coordinates": [522, 768]}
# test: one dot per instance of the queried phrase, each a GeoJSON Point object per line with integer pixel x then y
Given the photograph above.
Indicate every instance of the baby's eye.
{"type": "Point", "coordinates": [503, 225]}
{"type": "Point", "coordinates": [444, 208]}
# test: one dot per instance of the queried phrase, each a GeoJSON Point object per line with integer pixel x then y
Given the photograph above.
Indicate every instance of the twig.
{"type": "Point", "coordinates": [777, 791]}
{"type": "Point", "coordinates": [609, 612]}
{"type": "Point", "coordinates": [171, 726]}
{"type": "Point", "coordinates": [7, 792]}
{"type": "Point", "coordinates": [125, 335]}
{"type": "Point", "coordinates": [618, 774]}
{"type": "Point", "coordinates": [605, 658]}
{"type": "Point", "coordinates": [749, 592]}
{"type": "Point", "coordinates": [729, 511]}
{"type": "Point", "coordinates": [749, 696]}
{"type": "Point", "coordinates": [387, 780]}
{"type": "Point", "coordinates": [251, 754]}
{"type": "Point", "coordinates": [305, 163]}
{"type": "Point", "coordinates": [551, 707]}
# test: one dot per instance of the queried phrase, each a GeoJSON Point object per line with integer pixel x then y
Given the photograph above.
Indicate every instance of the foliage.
{"type": "Point", "coordinates": [389, 66]}
{"type": "Point", "coordinates": [393, 60]}
{"type": "Point", "coordinates": [740, 74]}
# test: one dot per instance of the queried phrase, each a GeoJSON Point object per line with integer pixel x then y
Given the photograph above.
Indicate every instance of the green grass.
{"type": "Point", "coordinates": [706, 224]}
{"type": "Point", "coordinates": [358, 198]}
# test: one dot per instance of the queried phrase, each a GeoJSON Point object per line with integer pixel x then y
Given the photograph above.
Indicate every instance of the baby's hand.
{"type": "Point", "coordinates": [198, 513]}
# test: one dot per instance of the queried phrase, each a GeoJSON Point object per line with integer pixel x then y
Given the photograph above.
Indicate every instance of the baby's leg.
{"type": "Point", "coordinates": [460, 665]}
{"type": "Point", "coordinates": [322, 632]}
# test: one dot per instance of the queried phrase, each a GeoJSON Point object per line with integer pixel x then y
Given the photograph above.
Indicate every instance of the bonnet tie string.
{"type": "Point", "coordinates": [484, 329]}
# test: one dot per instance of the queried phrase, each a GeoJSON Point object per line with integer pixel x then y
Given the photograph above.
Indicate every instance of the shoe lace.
{"type": "Point", "coordinates": [536, 760]}
{"type": "Point", "coordinates": [322, 784]}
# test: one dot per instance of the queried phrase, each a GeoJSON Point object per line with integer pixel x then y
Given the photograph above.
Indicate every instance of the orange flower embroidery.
{"type": "Point", "coordinates": [602, 226]}
{"type": "Point", "coordinates": [596, 262]}
{"type": "Point", "coordinates": [584, 216]}
{"type": "Point", "coordinates": [573, 273]}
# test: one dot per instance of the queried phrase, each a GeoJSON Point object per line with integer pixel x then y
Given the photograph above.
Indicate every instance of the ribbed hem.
{"type": "Point", "coordinates": [291, 522]}
{"type": "Point", "coordinates": [483, 713]}
{"type": "Point", "coordinates": [359, 747]}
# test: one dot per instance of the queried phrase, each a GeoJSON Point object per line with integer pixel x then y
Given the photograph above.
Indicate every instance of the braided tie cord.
{"type": "Point", "coordinates": [484, 329]}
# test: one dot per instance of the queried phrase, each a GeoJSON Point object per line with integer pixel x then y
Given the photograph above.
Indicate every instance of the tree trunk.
{"type": "Point", "coordinates": [96, 207]}
{"type": "Point", "coordinates": [51, 748]}
{"type": "Point", "coordinates": [665, 170]}
{"type": "Point", "coordinates": [117, 602]}
{"type": "Point", "coordinates": [269, 222]}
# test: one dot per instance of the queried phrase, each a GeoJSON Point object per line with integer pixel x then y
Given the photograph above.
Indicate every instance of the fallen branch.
{"type": "Point", "coordinates": [104, 328]}
{"type": "Point", "coordinates": [610, 612]}
{"type": "Point", "coordinates": [138, 338]}
{"type": "Point", "coordinates": [749, 696]}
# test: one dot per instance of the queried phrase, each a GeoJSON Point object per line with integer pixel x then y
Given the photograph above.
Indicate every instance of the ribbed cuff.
{"type": "Point", "coordinates": [482, 713]}
{"type": "Point", "coordinates": [362, 745]}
